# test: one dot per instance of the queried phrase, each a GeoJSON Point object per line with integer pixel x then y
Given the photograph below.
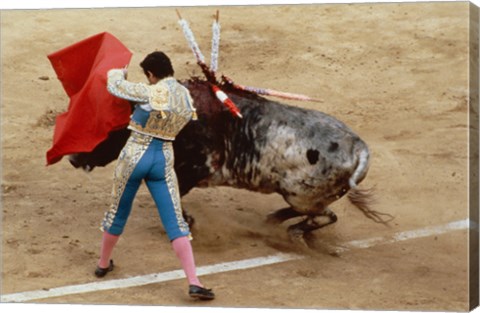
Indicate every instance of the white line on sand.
{"type": "Point", "coordinates": [407, 235]}
{"type": "Point", "coordinates": [229, 266]}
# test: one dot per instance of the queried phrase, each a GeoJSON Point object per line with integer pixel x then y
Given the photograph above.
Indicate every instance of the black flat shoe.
{"type": "Point", "coordinates": [200, 293]}
{"type": "Point", "coordinates": [100, 272]}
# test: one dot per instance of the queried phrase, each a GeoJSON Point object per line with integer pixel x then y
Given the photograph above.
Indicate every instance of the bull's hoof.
{"type": "Point", "coordinates": [297, 236]}
{"type": "Point", "coordinates": [190, 221]}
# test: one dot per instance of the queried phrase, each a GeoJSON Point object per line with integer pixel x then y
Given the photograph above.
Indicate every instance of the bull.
{"type": "Point", "coordinates": [308, 157]}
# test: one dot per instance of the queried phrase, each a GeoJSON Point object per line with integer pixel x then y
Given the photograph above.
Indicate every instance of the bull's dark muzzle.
{"type": "Point", "coordinates": [73, 160]}
{"type": "Point", "coordinates": [76, 161]}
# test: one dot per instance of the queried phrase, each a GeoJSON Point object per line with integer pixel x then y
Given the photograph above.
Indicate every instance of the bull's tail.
{"type": "Point", "coordinates": [363, 198]}
{"type": "Point", "coordinates": [361, 150]}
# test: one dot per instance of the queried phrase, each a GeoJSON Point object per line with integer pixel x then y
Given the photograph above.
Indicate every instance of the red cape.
{"type": "Point", "coordinates": [92, 112]}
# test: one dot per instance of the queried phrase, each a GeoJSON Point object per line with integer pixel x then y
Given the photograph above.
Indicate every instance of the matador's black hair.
{"type": "Point", "coordinates": [159, 64]}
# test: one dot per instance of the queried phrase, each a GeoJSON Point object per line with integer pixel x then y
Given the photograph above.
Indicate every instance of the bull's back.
{"type": "Point", "coordinates": [302, 154]}
{"type": "Point", "coordinates": [299, 153]}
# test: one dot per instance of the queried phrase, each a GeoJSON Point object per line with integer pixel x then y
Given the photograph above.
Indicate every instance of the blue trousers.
{"type": "Point", "coordinates": [148, 159]}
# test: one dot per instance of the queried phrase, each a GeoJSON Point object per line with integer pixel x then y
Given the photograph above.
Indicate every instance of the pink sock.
{"type": "Point", "coordinates": [183, 249]}
{"type": "Point", "coordinates": [108, 243]}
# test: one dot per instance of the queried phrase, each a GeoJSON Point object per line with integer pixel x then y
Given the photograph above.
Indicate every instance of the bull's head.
{"type": "Point", "coordinates": [107, 151]}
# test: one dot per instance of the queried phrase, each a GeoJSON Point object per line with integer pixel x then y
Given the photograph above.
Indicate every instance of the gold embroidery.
{"type": "Point", "coordinates": [159, 96]}
{"type": "Point", "coordinates": [172, 185]}
{"type": "Point", "coordinates": [133, 151]}
{"type": "Point", "coordinates": [173, 109]}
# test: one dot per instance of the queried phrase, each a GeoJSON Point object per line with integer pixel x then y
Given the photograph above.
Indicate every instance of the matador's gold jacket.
{"type": "Point", "coordinates": [162, 109]}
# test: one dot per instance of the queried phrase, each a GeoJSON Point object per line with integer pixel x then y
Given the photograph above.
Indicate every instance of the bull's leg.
{"type": "Point", "coordinates": [282, 215]}
{"type": "Point", "coordinates": [298, 231]}
{"type": "Point", "coordinates": [188, 218]}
